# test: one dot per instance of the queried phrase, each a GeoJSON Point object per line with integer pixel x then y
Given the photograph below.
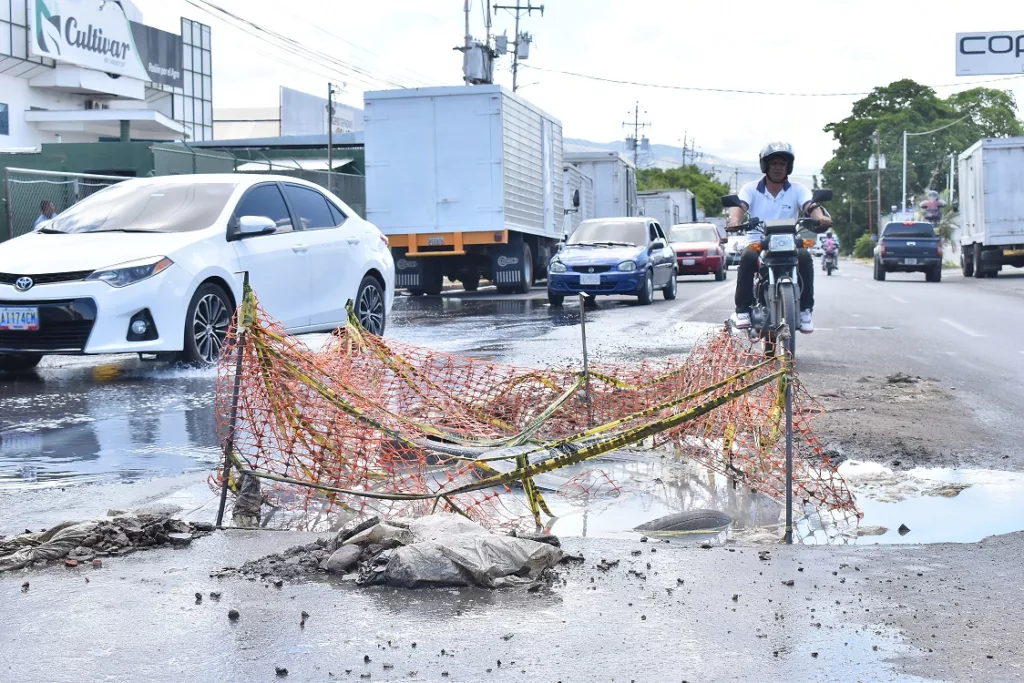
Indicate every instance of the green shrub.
{"type": "Point", "coordinates": [864, 247]}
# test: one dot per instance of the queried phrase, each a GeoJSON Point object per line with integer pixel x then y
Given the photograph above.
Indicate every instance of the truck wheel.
{"type": "Point", "coordinates": [992, 273]}
{"type": "Point", "coordinates": [934, 275]}
{"type": "Point", "coordinates": [525, 270]}
{"type": "Point", "coordinates": [976, 253]}
{"type": "Point", "coordinates": [879, 271]}
{"type": "Point", "coordinates": [19, 363]}
{"type": "Point", "coordinates": [471, 282]}
{"type": "Point", "coordinates": [555, 300]}
{"type": "Point", "coordinates": [646, 295]}
{"type": "Point", "coordinates": [967, 262]}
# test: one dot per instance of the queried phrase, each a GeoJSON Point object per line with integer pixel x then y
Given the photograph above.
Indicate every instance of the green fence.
{"type": "Point", "coordinates": [25, 190]}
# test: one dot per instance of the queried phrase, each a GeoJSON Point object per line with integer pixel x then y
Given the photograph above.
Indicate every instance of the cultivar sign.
{"type": "Point", "coordinates": [978, 54]}
{"type": "Point", "coordinates": [101, 37]}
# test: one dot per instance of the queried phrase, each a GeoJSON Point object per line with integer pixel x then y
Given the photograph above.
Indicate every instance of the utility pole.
{"type": "Point", "coordinates": [879, 165]}
{"type": "Point", "coordinates": [636, 126]}
{"type": "Point", "coordinates": [952, 178]}
{"type": "Point", "coordinates": [520, 39]}
{"type": "Point", "coordinates": [330, 136]}
{"type": "Point", "coordinates": [871, 218]}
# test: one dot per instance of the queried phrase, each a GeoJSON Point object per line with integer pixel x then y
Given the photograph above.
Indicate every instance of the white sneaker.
{"type": "Point", "coordinates": [741, 321]}
{"type": "Point", "coordinates": [806, 323]}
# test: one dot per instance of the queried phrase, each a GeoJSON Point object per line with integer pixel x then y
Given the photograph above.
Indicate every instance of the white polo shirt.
{"type": "Point", "coordinates": [789, 203]}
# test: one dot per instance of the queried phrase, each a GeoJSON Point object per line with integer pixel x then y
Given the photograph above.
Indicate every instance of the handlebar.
{"type": "Point", "coordinates": [812, 224]}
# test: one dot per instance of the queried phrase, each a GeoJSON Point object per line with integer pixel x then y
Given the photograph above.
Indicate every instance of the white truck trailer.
{"type": "Point", "coordinates": [466, 182]}
{"type": "Point", "coordinates": [576, 181]}
{"type": "Point", "coordinates": [614, 179]}
{"type": "Point", "coordinates": [991, 206]}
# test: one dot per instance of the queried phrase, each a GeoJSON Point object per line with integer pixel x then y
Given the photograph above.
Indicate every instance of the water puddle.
{"type": "Point", "coordinates": [610, 498]}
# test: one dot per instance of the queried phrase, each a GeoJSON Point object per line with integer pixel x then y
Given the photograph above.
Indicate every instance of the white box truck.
{"type": "Point", "coordinates": [683, 199]}
{"type": "Point", "coordinates": [576, 181]}
{"type": "Point", "coordinates": [614, 179]}
{"type": "Point", "coordinates": [991, 206]}
{"type": "Point", "coordinates": [660, 207]}
{"type": "Point", "coordinates": [466, 182]}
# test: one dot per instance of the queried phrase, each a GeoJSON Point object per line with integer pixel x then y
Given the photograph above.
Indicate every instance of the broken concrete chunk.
{"type": "Point", "coordinates": [343, 559]}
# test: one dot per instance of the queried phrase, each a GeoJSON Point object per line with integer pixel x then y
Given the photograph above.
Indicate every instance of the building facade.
{"type": "Point", "coordinates": [86, 71]}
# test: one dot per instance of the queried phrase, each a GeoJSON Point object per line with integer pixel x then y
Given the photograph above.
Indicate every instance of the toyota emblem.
{"type": "Point", "coordinates": [23, 284]}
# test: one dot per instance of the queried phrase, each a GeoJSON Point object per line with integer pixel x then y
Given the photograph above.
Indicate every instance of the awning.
{"type": "Point", "coordinates": [145, 123]}
{"type": "Point", "coordinates": [293, 164]}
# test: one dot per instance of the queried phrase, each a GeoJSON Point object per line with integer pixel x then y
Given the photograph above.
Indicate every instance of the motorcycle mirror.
{"type": "Point", "coordinates": [731, 201]}
{"type": "Point", "coordinates": [819, 196]}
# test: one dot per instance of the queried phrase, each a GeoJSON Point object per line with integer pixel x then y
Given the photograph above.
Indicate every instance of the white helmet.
{"type": "Point", "coordinates": [774, 149]}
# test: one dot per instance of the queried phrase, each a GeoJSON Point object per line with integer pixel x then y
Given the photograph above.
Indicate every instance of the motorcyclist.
{"type": "Point", "coordinates": [933, 207]}
{"type": "Point", "coordinates": [774, 197]}
{"type": "Point", "coordinates": [831, 248]}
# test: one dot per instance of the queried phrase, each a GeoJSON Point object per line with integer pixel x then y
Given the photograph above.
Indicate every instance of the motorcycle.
{"type": "Point", "coordinates": [775, 314]}
{"type": "Point", "coordinates": [830, 261]}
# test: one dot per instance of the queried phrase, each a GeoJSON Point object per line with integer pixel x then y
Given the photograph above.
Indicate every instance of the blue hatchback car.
{"type": "Point", "coordinates": [629, 256]}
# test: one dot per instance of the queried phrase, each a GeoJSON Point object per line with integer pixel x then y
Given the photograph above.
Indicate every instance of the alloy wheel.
{"type": "Point", "coordinates": [210, 327]}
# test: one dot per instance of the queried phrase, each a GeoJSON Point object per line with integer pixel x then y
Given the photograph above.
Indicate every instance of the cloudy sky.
{"type": "Point", "coordinates": [798, 46]}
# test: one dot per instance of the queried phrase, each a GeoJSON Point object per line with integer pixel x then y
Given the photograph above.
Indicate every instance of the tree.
{"type": "Point", "coordinates": [890, 110]}
{"type": "Point", "coordinates": [706, 188]}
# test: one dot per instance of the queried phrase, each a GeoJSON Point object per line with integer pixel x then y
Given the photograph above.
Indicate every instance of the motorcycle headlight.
{"type": "Point", "coordinates": [782, 243]}
{"type": "Point", "coordinates": [125, 274]}
{"type": "Point", "coordinates": [556, 267]}
{"type": "Point", "coordinates": [627, 266]}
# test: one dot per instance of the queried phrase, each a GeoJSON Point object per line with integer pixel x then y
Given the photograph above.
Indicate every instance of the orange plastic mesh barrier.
{"type": "Point", "coordinates": [368, 424]}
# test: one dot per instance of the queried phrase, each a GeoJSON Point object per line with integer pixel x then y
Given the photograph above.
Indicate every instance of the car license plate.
{"type": "Point", "coordinates": [910, 261]}
{"type": "Point", "coordinates": [435, 241]}
{"type": "Point", "coordinates": [590, 279]}
{"type": "Point", "coordinates": [689, 261]}
{"type": "Point", "coordinates": [22, 318]}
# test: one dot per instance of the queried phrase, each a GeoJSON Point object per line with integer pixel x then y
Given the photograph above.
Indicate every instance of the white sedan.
{"type": "Point", "coordinates": [156, 265]}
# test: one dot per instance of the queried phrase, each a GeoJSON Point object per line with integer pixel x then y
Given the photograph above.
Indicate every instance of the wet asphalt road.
{"type": "Point", "coordinates": [118, 419]}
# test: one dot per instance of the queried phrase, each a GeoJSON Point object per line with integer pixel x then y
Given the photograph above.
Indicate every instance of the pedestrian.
{"type": "Point", "coordinates": [47, 210]}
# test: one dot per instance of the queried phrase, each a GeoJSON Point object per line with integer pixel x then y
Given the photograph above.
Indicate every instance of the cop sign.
{"type": "Point", "coordinates": [996, 53]}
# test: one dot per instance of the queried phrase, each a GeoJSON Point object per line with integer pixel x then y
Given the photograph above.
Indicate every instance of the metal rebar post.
{"type": "Point", "coordinates": [586, 361]}
{"type": "Point", "coordinates": [229, 439]}
{"type": "Point", "coordinates": [788, 379]}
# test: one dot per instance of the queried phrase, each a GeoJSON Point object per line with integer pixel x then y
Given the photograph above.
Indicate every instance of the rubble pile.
{"type": "Point", "coordinates": [76, 542]}
{"type": "Point", "coordinates": [436, 550]}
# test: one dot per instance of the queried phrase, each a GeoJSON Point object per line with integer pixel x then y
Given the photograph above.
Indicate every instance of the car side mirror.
{"type": "Point", "coordinates": [730, 201]}
{"type": "Point", "coordinates": [576, 199]}
{"type": "Point", "coordinates": [255, 225]}
{"type": "Point", "coordinates": [723, 240]}
{"type": "Point", "coordinates": [657, 244]}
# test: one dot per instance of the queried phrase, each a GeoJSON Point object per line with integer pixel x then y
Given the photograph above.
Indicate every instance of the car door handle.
{"type": "Point", "coordinates": [299, 248]}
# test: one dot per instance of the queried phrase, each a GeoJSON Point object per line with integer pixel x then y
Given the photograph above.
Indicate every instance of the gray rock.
{"type": "Point", "coordinates": [343, 559]}
{"type": "Point", "coordinates": [179, 539]}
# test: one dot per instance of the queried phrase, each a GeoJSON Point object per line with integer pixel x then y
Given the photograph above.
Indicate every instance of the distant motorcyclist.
{"type": "Point", "coordinates": [933, 207]}
{"type": "Point", "coordinates": [774, 197]}
{"type": "Point", "coordinates": [830, 247]}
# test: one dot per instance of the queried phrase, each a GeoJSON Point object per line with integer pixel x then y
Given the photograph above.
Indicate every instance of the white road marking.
{"type": "Point", "coordinates": [897, 299]}
{"type": "Point", "coordinates": [961, 328]}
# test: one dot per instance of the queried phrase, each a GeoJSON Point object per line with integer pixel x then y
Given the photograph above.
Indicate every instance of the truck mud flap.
{"type": "Point", "coordinates": [507, 263]}
{"type": "Point", "coordinates": [408, 273]}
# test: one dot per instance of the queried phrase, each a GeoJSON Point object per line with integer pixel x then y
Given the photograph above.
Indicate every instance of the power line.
{"type": "Point", "coordinates": [738, 91]}
{"type": "Point", "coordinates": [283, 42]}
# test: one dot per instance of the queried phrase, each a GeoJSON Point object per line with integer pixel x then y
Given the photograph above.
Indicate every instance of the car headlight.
{"type": "Point", "coordinates": [627, 266]}
{"type": "Point", "coordinates": [556, 267]}
{"type": "Point", "coordinates": [712, 252]}
{"type": "Point", "coordinates": [124, 274]}
{"type": "Point", "coordinates": [782, 243]}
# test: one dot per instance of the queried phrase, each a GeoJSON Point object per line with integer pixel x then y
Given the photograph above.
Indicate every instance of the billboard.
{"type": "Point", "coordinates": [101, 37]}
{"type": "Point", "coordinates": [305, 114]}
{"type": "Point", "coordinates": [999, 52]}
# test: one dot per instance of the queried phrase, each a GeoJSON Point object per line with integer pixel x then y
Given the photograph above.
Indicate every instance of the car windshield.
{"type": "Point", "coordinates": [909, 230]}
{"type": "Point", "coordinates": [681, 235]}
{"type": "Point", "coordinates": [152, 206]}
{"type": "Point", "coordinates": [629, 233]}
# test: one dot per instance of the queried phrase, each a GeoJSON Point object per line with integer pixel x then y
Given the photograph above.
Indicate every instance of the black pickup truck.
{"type": "Point", "coordinates": [911, 247]}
